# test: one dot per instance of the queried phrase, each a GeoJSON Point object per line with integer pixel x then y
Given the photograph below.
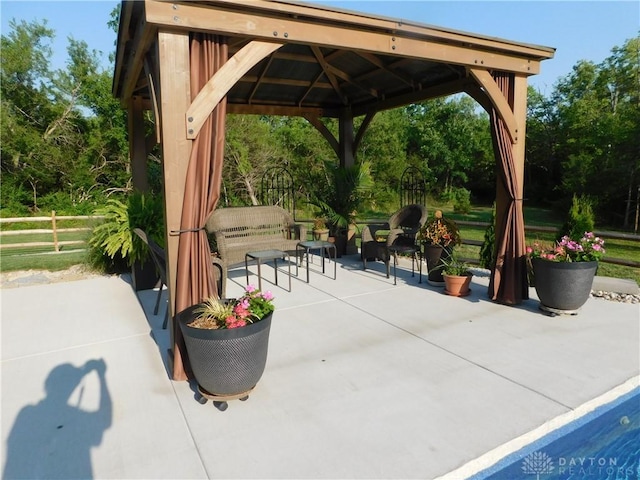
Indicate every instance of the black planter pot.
{"type": "Point", "coordinates": [226, 362]}
{"type": "Point", "coordinates": [563, 287]}
{"type": "Point", "coordinates": [144, 275]}
{"type": "Point", "coordinates": [434, 256]}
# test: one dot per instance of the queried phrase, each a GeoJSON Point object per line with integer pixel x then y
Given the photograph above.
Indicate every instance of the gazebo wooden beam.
{"type": "Point", "coordinates": [140, 45]}
{"type": "Point", "coordinates": [358, 20]}
{"type": "Point", "coordinates": [280, 110]}
{"type": "Point", "coordinates": [218, 86]}
{"type": "Point", "coordinates": [203, 17]}
{"type": "Point", "coordinates": [499, 102]}
{"type": "Point", "coordinates": [442, 90]}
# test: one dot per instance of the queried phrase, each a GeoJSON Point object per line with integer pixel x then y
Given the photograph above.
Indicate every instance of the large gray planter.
{"type": "Point", "coordinates": [563, 287]}
{"type": "Point", "coordinates": [226, 362]}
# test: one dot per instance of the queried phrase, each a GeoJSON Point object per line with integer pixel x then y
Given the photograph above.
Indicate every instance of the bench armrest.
{"type": "Point", "coordinates": [220, 275]}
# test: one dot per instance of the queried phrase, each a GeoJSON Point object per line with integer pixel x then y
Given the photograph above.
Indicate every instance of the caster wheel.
{"type": "Point", "coordinates": [244, 399]}
{"type": "Point", "coordinates": [222, 406]}
{"type": "Point", "coordinates": [202, 400]}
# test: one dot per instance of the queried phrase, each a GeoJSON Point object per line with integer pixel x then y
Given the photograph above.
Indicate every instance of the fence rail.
{"type": "Point", "coordinates": [56, 243]}
{"type": "Point", "coordinates": [54, 231]}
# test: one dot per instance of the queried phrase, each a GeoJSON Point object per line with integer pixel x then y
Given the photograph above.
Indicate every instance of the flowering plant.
{"type": "Point", "coordinates": [589, 248]}
{"type": "Point", "coordinates": [216, 313]}
{"type": "Point", "coordinates": [440, 231]}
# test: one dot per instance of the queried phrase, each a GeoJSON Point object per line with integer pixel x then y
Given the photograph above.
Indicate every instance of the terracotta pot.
{"type": "Point", "coordinates": [457, 285]}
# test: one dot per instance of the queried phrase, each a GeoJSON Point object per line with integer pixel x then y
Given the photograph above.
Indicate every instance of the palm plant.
{"type": "Point", "coordinates": [345, 191]}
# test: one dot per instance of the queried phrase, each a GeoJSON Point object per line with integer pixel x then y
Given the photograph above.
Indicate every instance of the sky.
{"type": "Point", "coordinates": [578, 30]}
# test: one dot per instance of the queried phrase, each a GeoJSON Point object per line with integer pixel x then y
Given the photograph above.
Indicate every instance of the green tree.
{"type": "Point", "coordinates": [597, 120]}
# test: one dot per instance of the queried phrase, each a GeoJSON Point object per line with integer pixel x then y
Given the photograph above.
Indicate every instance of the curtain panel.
{"type": "Point", "coordinates": [195, 280]}
{"type": "Point", "coordinates": [508, 283]}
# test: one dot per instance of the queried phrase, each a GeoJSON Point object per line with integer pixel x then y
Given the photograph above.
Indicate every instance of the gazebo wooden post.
{"type": "Point", "coordinates": [520, 114]}
{"type": "Point", "coordinates": [346, 139]}
{"type": "Point", "coordinates": [175, 98]}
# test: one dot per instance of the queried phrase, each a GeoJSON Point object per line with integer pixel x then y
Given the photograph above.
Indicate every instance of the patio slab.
{"type": "Point", "coordinates": [364, 379]}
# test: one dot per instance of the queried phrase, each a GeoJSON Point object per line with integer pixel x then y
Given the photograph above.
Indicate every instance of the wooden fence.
{"type": "Point", "coordinates": [56, 244]}
{"type": "Point", "coordinates": [54, 231]}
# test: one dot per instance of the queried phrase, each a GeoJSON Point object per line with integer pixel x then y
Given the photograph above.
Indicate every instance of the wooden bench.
{"type": "Point", "coordinates": [239, 230]}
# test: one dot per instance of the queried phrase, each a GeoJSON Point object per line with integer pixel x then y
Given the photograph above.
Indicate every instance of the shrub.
{"type": "Point", "coordinates": [488, 248]}
{"type": "Point", "coordinates": [461, 198]}
{"type": "Point", "coordinates": [580, 218]}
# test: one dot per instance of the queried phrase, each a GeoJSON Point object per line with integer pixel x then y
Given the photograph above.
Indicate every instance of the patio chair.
{"type": "Point", "coordinates": [159, 258]}
{"type": "Point", "coordinates": [402, 228]}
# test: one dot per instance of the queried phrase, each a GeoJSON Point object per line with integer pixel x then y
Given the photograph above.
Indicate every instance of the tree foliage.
{"type": "Point", "coordinates": [64, 139]}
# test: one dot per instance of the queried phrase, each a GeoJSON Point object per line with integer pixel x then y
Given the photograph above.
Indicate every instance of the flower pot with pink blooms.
{"type": "Point", "coordinates": [227, 342]}
{"type": "Point", "coordinates": [563, 274]}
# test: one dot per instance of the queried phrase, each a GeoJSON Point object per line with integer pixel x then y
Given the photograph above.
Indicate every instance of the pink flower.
{"type": "Point", "coordinates": [250, 288]}
{"type": "Point", "coordinates": [529, 250]}
{"type": "Point", "coordinates": [235, 322]}
{"type": "Point", "coordinates": [267, 295]}
{"type": "Point", "coordinates": [241, 311]}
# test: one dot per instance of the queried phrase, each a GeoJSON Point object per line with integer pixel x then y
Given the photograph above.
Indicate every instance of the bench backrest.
{"type": "Point", "coordinates": [242, 229]}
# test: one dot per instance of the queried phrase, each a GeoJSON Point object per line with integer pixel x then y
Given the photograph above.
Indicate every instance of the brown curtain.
{"type": "Point", "coordinates": [195, 279]}
{"type": "Point", "coordinates": [508, 283]}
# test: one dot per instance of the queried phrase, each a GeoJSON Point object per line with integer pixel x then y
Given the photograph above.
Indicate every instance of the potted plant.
{"type": "Point", "coordinates": [227, 342]}
{"type": "Point", "coordinates": [320, 230]}
{"type": "Point", "coordinates": [113, 239]}
{"type": "Point", "coordinates": [439, 235]}
{"type": "Point", "coordinates": [563, 274]}
{"type": "Point", "coordinates": [457, 277]}
{"type": "Point", "coordinates": [339, 198]}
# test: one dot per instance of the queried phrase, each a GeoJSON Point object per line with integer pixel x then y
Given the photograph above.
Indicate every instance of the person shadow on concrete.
{"type": "Point", "coordinates": [53, 438]}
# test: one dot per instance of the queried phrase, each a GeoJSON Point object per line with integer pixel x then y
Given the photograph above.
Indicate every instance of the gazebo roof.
{"type": "Point", "coordinates": [331, 59]}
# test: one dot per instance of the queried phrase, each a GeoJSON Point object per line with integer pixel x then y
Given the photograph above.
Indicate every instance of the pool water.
{"type": "Point", "coordinates": [602, 445]}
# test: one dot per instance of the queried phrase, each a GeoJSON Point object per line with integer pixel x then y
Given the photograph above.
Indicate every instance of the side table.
{"type": "Point", "coordinates": [323, 246]}
{"type": "Point", "coordinates": [266, 255]}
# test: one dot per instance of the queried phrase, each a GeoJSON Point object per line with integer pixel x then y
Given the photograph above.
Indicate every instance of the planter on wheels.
{"type": "Point", "coordinates": [435, 256]}
{"type": "Point", "coordinates": [563, 287]}
{"type": "Point", "coordinates": [226, 363]}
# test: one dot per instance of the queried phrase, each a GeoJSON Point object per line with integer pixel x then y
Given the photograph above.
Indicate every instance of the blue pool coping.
{"type": "Point", "coordinates": [547, 439]}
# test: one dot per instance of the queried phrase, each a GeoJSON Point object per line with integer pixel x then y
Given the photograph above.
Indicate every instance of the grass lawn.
{"type": "Point", "coordinates": [45, 259]}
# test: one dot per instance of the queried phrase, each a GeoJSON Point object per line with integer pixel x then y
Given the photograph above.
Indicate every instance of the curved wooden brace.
{"type": "Point", "coordinates": [224, 79]}
{"type": "Point", "coordinates": [324, 131]}
{"type": "Point", "coordinates": [363, 128]}
{"type": "Point", "coordinates": [498, 101]}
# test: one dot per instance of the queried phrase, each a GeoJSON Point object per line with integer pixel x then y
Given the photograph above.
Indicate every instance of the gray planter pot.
{"type": "Point", "coordinates": [563, 286]}
{"type": "Point", "coordinates": [226, 362]}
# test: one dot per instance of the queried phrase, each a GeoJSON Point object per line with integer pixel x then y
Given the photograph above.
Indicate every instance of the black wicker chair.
{"type": "Point", "coordinates": [402, 227]}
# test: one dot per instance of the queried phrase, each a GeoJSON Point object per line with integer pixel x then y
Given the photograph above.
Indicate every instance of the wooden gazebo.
{"type": "Point", "coordinates": [189, 62]}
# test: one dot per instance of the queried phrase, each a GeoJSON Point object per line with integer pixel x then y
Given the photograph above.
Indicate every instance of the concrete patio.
{"type": "Point", "coordinates": [364, 379]}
